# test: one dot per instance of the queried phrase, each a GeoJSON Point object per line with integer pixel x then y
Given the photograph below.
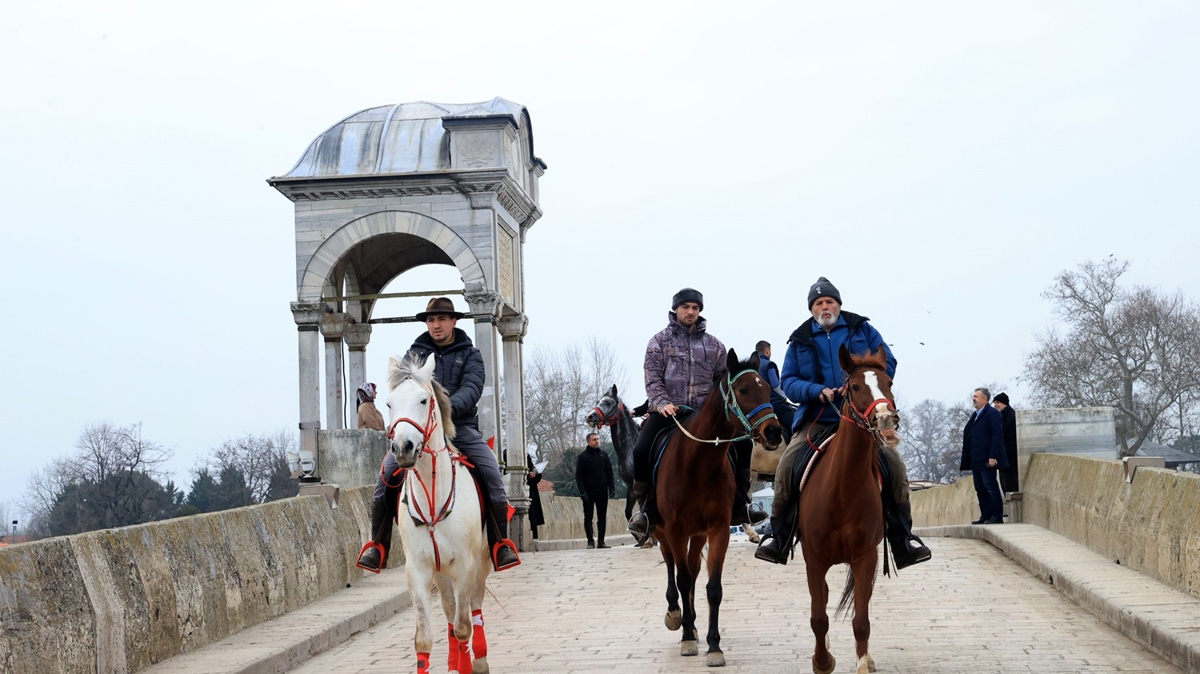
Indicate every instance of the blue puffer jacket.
{"type": "Point", "coordinates": [459, 369]}
{"type": "Point", "coordinates": [811, 363]}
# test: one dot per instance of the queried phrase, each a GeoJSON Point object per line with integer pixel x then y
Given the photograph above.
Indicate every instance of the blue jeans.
{"type": "Point", "coordinates": [987, 490]}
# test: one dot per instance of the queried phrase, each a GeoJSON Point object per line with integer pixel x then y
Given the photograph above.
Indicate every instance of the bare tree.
{"type": "Point", "coordinates": [258, 458]}
{"type": "Point", "coordinates": [1136, 350]}
{"type": "Point", "coordinates": [560, 388]}
{"type": "Point", "coordinates": [932, 444]}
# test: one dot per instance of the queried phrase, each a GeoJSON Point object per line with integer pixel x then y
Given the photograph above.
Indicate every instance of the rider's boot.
{"type": "Point", "coordinates": [777, 545]}
{"type": "Point", "coordinates": [504, 551]}
{"type": "Point", "coordinates": [745, 510]}
{"type": "Point", "coordinates": [639, 524]}
{"type": "Point", "coordinates": [907, 548]}
{"type": "Point", "coordinates": [374, 554]}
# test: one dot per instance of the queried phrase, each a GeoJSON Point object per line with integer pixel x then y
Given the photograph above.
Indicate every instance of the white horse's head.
{"type": "Point", "coordinates": [415, 405]}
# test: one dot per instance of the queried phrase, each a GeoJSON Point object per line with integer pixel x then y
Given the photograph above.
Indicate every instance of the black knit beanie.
{"type": "Point", "coordinates": [687, 295]}
{"type": "Point", "coordinates": [823, 288]}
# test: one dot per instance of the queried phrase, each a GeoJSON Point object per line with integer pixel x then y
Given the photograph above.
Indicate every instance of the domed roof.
{"type": "Point", "coordinates": [402, 138]}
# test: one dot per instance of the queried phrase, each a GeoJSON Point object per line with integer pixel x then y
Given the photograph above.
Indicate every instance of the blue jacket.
{"type": "Point", "coordinates": [983, 439]}
{"type": "Point", "coordinates": [770, 374]}
{"type": "Point", "coordinates": [812, 364]}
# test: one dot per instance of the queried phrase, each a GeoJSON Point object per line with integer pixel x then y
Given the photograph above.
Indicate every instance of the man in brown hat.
{"type": "Point", "coordinates": [459, 369]}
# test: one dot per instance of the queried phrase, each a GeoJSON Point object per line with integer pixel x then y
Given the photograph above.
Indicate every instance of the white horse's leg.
{"type": "Point", "coordinates": [451, 605]}
{"type": "Point", "coordinates": [419, 587]}
{"type": "Point", "coordinates": [478, 637]}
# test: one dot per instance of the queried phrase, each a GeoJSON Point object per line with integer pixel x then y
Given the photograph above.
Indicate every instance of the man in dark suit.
{"type": "Point", "coordinates": [983, 453]}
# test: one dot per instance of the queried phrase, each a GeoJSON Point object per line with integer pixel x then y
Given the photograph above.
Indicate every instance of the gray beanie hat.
{"type": "Point", "coordinates": [687, 295]}
{"type": "Point", "coordinates": [823, 288]}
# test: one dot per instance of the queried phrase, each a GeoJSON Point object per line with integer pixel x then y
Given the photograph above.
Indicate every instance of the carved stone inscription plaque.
{"type": "Point", "coordinates": [504, 260]}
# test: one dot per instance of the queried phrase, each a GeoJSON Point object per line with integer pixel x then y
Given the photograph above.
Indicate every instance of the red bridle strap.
{"type": "Point", "coordinates": [607, 421]}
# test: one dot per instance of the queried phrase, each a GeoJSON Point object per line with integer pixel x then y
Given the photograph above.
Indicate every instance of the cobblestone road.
{"type": "Point", "coordinates": [970, 609]}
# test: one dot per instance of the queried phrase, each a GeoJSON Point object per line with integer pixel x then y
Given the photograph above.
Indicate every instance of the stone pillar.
{"type": "Point", "coordinates": [486, 307]}
{"type": "Point", "coordinates": [512, 332]}
{"type": "Point", "coordinates": [308, 318]}
{"type": "Point", "coordinates": [357, 336]}
{"type": "Point", "coordinates": [333, 326]}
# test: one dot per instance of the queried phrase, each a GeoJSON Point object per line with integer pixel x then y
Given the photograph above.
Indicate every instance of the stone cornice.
{"type": "Point", "coordinates": [497, 181]}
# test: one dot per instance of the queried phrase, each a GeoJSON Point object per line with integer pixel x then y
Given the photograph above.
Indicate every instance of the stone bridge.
{"type": "Point", "coordinates": [1103, 575]}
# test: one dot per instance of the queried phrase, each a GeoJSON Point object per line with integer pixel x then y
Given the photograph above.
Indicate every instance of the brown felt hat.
{"type": "Point", "coordinates": [439, 306]}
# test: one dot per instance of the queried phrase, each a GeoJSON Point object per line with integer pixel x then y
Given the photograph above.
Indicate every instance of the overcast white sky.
{"type": "Point", "coordinates": [939, 162]}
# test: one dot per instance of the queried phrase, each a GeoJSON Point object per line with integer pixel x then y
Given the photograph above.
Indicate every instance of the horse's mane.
{"type": "Point", "coordinates": [409, 367]}
{"type": "Point", "coordinates": [869, 360]}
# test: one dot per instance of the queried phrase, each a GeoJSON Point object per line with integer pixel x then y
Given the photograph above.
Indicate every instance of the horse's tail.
{"type": "Point", "coordinates": [847, 597]}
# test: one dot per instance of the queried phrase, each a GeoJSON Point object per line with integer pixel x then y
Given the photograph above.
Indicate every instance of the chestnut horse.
{"type": "Point", "coordinates": [694, 488]}
{"type": "Point", "coordinates": [841, 514]}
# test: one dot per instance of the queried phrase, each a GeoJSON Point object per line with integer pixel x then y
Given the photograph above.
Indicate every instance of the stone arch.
{"type": "Point", "coordinates": [454, 250]}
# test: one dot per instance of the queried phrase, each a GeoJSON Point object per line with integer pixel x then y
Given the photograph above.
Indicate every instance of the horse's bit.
{"type": "Point", "coordinates": [606, 420]}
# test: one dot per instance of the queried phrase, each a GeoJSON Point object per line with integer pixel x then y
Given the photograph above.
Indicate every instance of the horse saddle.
{"type": "Point", "coordinates": [659, 445]}
{"type": "Point", "coordinates": [811, 452]}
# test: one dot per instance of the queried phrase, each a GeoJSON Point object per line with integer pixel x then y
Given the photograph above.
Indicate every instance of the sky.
{"type": "Point", "coordinates": [939, 162]}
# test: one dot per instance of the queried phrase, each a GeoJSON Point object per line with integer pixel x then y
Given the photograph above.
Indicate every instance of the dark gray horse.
{"type": "Point", "coordinates": [611, 412]}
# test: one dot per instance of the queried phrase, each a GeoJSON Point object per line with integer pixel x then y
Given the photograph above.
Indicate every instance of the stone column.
{"type": "Point", "coordinates": [486, 307]}
{"type": "Point", "coordinates": [357, 336]}
{"type": "Point", "coordinates": [308, 318]}
{"type": "Point", "coordinates": [512, 332]}
{"type": "Point", "coordinates": [333, 326]}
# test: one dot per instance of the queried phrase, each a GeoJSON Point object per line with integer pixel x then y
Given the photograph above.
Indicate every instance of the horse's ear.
{"type": "Point", "coordinates": [881, 353]}
{"type": "Point", "coordinates": [430, 362]}
{"type": "Point", "coordinates": [755, 362]}
{"type": "Point", "coordinates": [612, 392]}
{"type": "Point", "coordinates": [845, 360]}
{"type": "Point", "coordinates": [393, 364]}
{"type": "Point", "coordinates": [731, 360]}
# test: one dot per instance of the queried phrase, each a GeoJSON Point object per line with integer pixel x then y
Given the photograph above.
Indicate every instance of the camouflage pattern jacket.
{"type": "Point", "coordinates": [680, 365]}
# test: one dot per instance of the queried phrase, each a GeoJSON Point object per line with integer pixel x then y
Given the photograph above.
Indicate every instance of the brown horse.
{"type": "Point", "coordinates": [841, 514]}
{"type": "Point", "coordinates": [695, 490]}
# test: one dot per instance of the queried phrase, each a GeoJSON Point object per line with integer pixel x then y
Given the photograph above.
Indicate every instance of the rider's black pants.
{"type": "Point", "coordinates": [654, 423]}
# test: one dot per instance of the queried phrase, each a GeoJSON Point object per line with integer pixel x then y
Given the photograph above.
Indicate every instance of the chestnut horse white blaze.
{"type": "Point", "coordinates": [441, 526]}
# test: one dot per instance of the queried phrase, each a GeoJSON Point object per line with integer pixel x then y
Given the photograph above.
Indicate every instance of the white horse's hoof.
{"type": "Point", "coordinates": [480, 666]}
{"type": "Point", "coordinates": [689, 648]}
{"type": "Point", "coordinates": [674, 620]}
{"type": "Point", "coordinates": [832, 666]}
{"type": "Point", "coordinates": [715, 659]}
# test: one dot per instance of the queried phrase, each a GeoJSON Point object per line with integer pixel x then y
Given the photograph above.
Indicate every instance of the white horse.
{"type": "Point", "coordinates": [441, 529]}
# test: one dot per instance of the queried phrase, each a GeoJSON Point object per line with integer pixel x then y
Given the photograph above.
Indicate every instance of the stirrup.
{"type": "Point", "coordinates": [506, 543]}
{"type": "Point", "coordinates": [371, 545]}
{"type": "Point", "coordinates": [640, 532]}
{"type": "Point", "coordinates": [766, 550]}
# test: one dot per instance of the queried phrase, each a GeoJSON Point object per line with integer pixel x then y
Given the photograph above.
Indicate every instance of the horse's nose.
{"type": "Point", "coordinates": [774, 435]}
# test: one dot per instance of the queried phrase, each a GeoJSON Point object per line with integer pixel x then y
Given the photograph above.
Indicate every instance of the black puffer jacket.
{"type": "Point", "coordinates": [593, 473]}
{"type": "Point", "coordinates": [460, 371]}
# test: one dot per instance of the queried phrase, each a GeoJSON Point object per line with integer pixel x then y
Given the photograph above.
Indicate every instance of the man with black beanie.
{"type": "Point", "coordinates": [679, 367]}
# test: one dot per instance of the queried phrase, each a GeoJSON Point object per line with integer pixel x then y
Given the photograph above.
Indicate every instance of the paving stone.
{"type": "Point", "coordinates": [970, 609]}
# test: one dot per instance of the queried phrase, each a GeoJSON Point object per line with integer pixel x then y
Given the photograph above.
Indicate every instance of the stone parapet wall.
{"type": "Point", "coordinates": [351, 457]}
{"type": "Point", "coordinates": [564, 517]}
{"type": "Point", "coordinates": [946, 505]}
{"type": "Point", "coordinates": [1151, 525]}
{"type": "Point", "coordinates": [120, 600]}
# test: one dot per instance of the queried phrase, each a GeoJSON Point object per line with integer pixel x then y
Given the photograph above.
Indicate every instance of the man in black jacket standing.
{"type": "Point", "coordinates": [983, 453]}
{"type": "Point", "coordinates": [594, 477]}
{"type": "Point", "coordinates": [459, 369]}
{"type": "Point", "coordinates": [1008, 422]}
